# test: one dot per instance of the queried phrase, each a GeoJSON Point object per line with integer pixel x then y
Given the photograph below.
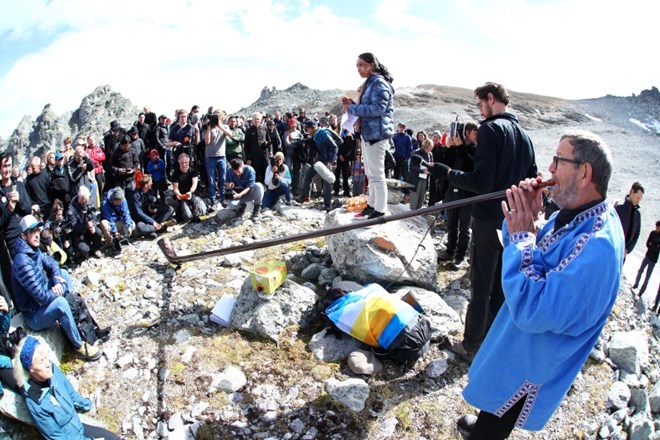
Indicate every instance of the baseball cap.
{"type": "Point", "coordinates": [28, 223]}
{"type": "Point", "coordinates": [310, 124]}
{"type": "Point", "coordinates": [59, 156]}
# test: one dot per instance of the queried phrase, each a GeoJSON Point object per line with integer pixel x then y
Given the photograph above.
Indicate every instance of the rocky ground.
{"type": "Point", "coordinates": [162, 371]}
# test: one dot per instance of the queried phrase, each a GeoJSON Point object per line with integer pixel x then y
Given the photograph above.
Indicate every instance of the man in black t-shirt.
{"type": "Point", "coordinates": [37, 184]}
{"type": "Point", "coordinates": [184, 184]}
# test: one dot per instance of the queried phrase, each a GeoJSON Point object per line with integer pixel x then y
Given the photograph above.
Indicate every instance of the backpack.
{"type": "Point", "coordinates": [382, 320]}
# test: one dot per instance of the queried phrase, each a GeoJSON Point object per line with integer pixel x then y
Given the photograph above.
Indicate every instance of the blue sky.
{"type": "Point", "coordinates": [175, 53]}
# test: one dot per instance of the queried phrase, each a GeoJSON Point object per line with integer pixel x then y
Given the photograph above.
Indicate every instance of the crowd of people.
{"type": "Point", "coordinates": [527, 288]}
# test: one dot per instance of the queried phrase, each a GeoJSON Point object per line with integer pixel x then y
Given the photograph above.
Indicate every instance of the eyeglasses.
{"type": "Point", "coordinates": [478, 104]}
{"type": "Point", "coordinates": [557, 159]}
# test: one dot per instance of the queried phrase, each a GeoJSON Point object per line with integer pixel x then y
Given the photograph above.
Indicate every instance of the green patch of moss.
{"type": "Point", "coordinates": [109, 419]}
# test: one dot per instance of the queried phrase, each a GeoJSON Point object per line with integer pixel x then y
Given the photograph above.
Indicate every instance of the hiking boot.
{"type": "Point", "coordinates": [459, 349]}
{"type": "Point", "coordinates": [169, 223]}
{"type": "Point", "coordinates": [103, 334]}
{"type": "Point", "coordinates": [466, 422]}
{"type": "Point", "coordinates": [365, 212]}
{"type": "Point", "coordinates": [302, 199]}
{"type": "Point", "coordinates": [375, 214]}
{"type": "Point", "coordinates": [240, 210]}
{"type": "Point", "coordinates": [256, 213]}
{"type": "Point", "coordinates": [445, 256]}
{"type": "Point", "coordinates": [88, 352]}
{"type": "Point", "coordinates": [152, 235]}
{"type": "Point", "coordinates": [458, 260]}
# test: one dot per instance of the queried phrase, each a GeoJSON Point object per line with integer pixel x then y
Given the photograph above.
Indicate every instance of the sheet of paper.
{"type": "Point", "coordinates": [221, 312]}
{"type": "Point", "coordinates": [348, 121]}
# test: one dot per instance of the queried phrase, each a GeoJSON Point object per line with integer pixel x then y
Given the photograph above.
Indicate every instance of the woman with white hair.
{"type": "Point", "coordinates": [50, 398]}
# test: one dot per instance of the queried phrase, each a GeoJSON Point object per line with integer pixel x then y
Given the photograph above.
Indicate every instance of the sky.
{"type": "Point", "coordinates": [175, 53]}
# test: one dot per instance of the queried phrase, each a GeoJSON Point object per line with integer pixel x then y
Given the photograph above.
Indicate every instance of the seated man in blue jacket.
{"type": "Point", "coordinates": [147, 212]}
{"type": "Point", "coordinates": [116, 222]}
{"type": "Point", "coordinates": [40, 289]}
{"type": "Point", "coordinates": [242, 182]}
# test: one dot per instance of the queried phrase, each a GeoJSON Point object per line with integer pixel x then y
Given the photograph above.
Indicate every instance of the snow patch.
{"type": "Point", "coordinates": [593, 118]}
{"type": "Point", "coordinates": [639, 123]}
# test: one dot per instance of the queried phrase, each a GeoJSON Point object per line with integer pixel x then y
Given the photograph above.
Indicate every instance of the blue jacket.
{"type": "Point", "coordinates": [56, 421]}
{"type": "Point", "coordinates": [5, 361]}
{"type": "Point", "coordinates": [326, 146]}
{"type": "Point", "coordinates": [156, 169]}
{"type": "Point", "coordinates": [30, 275]}
{"type": "Point", "coordinates": [112, 213]}
{"type": "Point", "coordinates": [247, 180]}
{"type": "Point", "coordinates": [559, 289]}
{"type": "Point", "coordinates": [375, 109]}
{"type": "Point", "coordinates": [403, 145]}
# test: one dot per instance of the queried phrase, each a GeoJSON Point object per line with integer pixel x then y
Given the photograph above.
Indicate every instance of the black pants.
{"type": "Point", "coordinates": [96, 432]}
{"type": "Point", "coordinates": [490, 427]}
{"type": "Point", "coordinates": [458, 228]}
{"type": "Point", "coordinates": [342, 170]}
{"type": "Point", "coordinates": [485, 275]}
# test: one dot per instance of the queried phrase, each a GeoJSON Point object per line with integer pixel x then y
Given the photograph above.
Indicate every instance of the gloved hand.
{"type": "Point", "coordinates": [439, 171]}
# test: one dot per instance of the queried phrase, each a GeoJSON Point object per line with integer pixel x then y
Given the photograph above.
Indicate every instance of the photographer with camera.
{"type": "Point", "coordinates": [60, 233]}
{"type": "Point", "coordinates": [181, 138]}
{"type": "Point", "coordinates": [80, 165]}
{"type": "Point", "coordinates": [278, 179]}
{"type": "Point", "coordinates": [116, 222]}
{"type": "Point", "coordinates": [327, 155]}
{"type": "Point", "coordinates": [147, 212]}
{"type": "Point", "coordinates": [86, 234]}
{"type": "Point", "coordinates": [294, 154]}
{"type": "Point", "coordinates": [124, 163]}
{"type": "Point", "coordinates": [215, 157]}
{"type": "Point", "coordinates": [464, 144]}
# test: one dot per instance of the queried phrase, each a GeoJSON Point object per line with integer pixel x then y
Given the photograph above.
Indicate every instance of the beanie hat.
{"type": "Point", "coordinates": [27, 353]}
{"type": "Point", "coordinates": [153, 154]}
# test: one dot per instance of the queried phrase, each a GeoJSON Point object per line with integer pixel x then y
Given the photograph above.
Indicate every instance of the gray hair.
{"type": "Point", "coordinates": [20, 373]}
{"type": "Point", "coordinates": [83, 191]}
{"type": "Point", "coordinates": [591, 148]}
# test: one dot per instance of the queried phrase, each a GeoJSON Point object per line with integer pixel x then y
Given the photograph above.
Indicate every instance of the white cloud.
{"type": "Point", "coordinates": [173, 54]}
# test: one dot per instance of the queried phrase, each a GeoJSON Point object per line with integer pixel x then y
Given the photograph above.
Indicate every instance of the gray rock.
{"type": "Point", "coordinates": [297, 425]}
{"type": "Point", "coordinates": [231, 379]}
{"type": "Point", "coordinates": [641, 428]}
{"type": "Point", "coordinates": [352, 393]}
{"type": "Point", "coordinates": [654, 398]}
{"type": "Point", "coordinates": [618, 395]}
{"type": "Point", "coordinates": [198, 409]}
{"type": "Point", "coordinates": [332, 346]}
{"type": "Point", "coordinates": [436, 368]}
{"type": "Point", "coordinates": [444, 320]}
{"type": "Point", "coordinates": [629, 350]}
{"type": "Point", "coordinates": [125, 360]}
{"type": "Point", "coordinates": [175, 421]}
{"type": "Point", "coordinates": [312, 272]}
{"type": "Point", "coordinates": [640, 400]}
{"type": "Point", "coordinates": [357, 256]}
{"type": "Point", "coordinates": [364, 362]}
{"type": "Point", "coordinates": [291, 304]}
{"type": "Point", "coordinates": [387, 427]}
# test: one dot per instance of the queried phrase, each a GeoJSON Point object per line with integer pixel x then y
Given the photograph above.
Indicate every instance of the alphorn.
{"type": "Point", "coordinates": [168, 249]}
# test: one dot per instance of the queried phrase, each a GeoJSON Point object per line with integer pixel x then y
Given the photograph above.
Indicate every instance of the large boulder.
{"type": "Point", "coordinates": [382, 253]}
{"type": "Point", "coordinates": [444, 320]}
{"type": "Point", "coordinates": [630, 351]}
{"type": "Point", "coordinates": [290, 304]}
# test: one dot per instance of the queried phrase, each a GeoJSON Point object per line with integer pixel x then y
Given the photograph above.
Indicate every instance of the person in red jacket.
{"type": "Point", "coordinates": [97, 155]}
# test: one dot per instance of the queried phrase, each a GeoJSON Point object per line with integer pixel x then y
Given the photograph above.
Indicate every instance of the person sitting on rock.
{"type": "Point", "coordinates": [116, 222]}
{"type": "Point", "coordinates": [241, 180]}
{"type": "Point", "coordinates": [148, 214]}
{"type": "Point", "coordinates": [85, 233]}
{"type": "Point", "coordinates": [278, 179]}
{"type": "Point", "coordinates": [156, 169]}
{"type": "Point", "coordinates": [184, 185]}
{"type": "Point", "coordinates": [50, 398]}
{"type": "Point", "coordinates": [41, 287]}
{"type": "Point", "coordinates": [8, 343]}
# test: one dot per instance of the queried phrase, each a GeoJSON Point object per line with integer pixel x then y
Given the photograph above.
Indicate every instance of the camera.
{"type": "Point", "coordinates": [152, 203]}
{"type": "Point", "coordinates": [9, 341]}
{"type": "Point", "coordinates": [89, 213]}
{"type": "Point", "coordinates": [62, 227]}
{"type": "Point", "coordinates": [119, 242]}
{"type": "Point", "coordinates": [457, 128]}
{"type": "Point", "coordinates": [214, 120]}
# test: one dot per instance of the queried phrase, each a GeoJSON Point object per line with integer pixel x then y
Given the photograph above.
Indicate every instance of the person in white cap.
{"type": "Point", "coordinates": [40, 287]}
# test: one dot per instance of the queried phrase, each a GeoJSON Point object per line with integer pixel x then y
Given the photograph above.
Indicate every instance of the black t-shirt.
{"type": "Point", "coordinates": [184, 180]}
{"type": "Point", "coordinates": [37, 185]}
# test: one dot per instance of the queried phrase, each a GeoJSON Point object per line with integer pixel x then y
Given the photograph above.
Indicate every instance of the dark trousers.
{"type": "Point", "coordinates": [458, 229]}
{"type": "Point", "coordinates": [97, 432]}
{"type": "Point", "coordinates": [400, 168]}
{"type": "Point", "coordinates": [341, 173]}
{"type": "Point", "coordinates": [648, 265]}
{"type": "Point", "coordinates": [490, 427]}
{"type": "Point", "coordinates": [485, 275]}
